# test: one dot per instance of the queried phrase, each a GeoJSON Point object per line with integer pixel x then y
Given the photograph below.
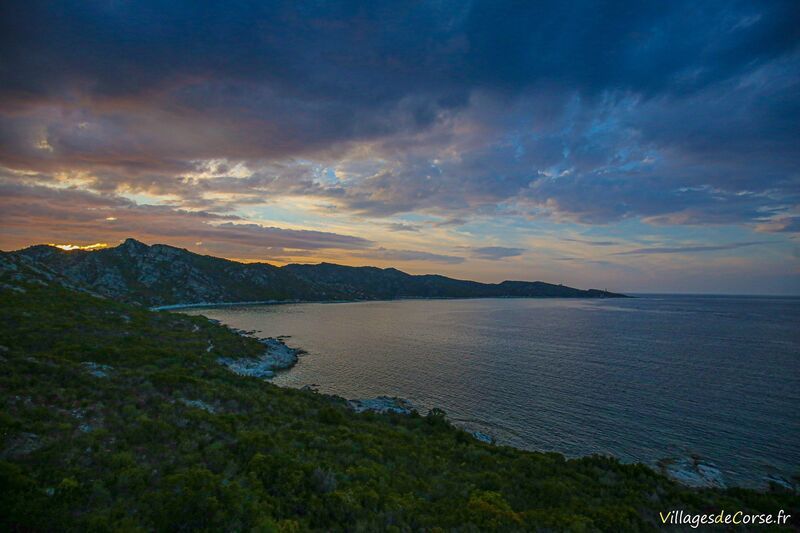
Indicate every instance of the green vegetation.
{"type": "Point", "coordinates": [164, 438]}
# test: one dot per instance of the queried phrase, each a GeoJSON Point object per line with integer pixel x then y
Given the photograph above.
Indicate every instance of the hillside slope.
{"type": "Point", "coordinates": [116, 417]}
{"type": "Point", "coordinates": [164, 275]}
{"type": "Point", "coordinates": [390, 283]}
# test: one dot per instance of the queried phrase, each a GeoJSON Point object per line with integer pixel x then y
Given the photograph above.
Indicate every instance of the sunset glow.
{"type": "Point", "coordinates": [71, 247]}
{"type": "Point", "coordinates": [581, 147]}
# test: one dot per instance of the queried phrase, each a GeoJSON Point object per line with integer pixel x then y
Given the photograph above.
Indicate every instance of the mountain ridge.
{"type": "Point", "coordinates": [161, 275]}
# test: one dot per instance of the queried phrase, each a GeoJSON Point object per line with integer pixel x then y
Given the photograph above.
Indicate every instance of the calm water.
{"type": "Point", "coordinates": [641, 379]}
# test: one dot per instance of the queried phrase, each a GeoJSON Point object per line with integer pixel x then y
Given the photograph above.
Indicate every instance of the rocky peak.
{"type": "Point", "coordinates": [132, 245]}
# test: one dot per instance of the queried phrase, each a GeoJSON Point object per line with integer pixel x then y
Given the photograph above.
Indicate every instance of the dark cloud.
{"type": "Point", "coordinates": [495, 253]}
{"type": "Point", "coordinates": [584, 260]}
{"type": "Point", "coordinates": [402, 226]}
{"type": "Point", "coordinates": [290, 238]}
{"type": "Point", "coordinates": [385, 254]}
{"type": "Point", "coordinates": [592, 243]}
{"type": "Point", "coordinates": [450, 222]}
{"type": "Point", "coordinates": [381, 51]}
{"type": "Point", "coordinates": [690, 249]}
{"type": "Point", "coordinates": [679, 46]}
{"type": "Point", "coordinates": [672, 112]}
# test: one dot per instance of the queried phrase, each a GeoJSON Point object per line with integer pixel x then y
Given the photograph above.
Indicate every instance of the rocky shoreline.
{"type": "Point", "coordinates": [277, 356]}
{"type": "Point", "coordinates": [175, 307]}
{"type": "Point", "coordinates": [382, 404]}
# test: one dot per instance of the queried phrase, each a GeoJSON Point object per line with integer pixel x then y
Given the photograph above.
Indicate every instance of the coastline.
{"type": "Point", "coordinates": [687, 469]}
{"type": "Point", "coordinates": [278, 356]}
{"type": "Point", "coordinates": [202, 305]}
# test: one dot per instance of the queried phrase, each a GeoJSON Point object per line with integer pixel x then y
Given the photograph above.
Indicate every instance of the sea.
{"type": "Point", "coordinates": [706, 388]}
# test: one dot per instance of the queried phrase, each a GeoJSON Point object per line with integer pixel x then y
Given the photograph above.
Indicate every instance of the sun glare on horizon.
{"type": "Point", "coordinates": [89, 247]}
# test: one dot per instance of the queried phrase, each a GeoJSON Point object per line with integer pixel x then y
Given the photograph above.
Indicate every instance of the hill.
{"type": "Point", "coordinates": [164, 275]}
{"type": "Point", "coordinates": [114, 417]}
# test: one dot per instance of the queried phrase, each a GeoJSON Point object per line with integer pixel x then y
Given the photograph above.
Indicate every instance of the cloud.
{"type": "Point", "coordinates": [790, 224]}
{"type": "Point", "coordinates": [402, 226]}
{"type": "Point", "coordinates": [42, 214]}
{"type": "Point", "coordinates": [592, 243]}
{"type": "Point", "coordinates": [290, 238]}
{"type": "Point", "coordinates": [691, 249]}
{"type": "Point", "coordinates": [580, 112]}
{"type": "Point", "coordinates": [381, 52]}
{"type": "Point", "coordinates": [409, 255]}
{"type": "Point", "coordinates": [584, 260]}
{"type": "Point", "coordinates": [495, 253]}
{"type": "Point", "coordinates": [450, 222]}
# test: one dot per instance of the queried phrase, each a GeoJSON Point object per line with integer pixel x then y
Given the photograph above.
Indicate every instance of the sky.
{"type": "Point", "coordinates": [632, 146]}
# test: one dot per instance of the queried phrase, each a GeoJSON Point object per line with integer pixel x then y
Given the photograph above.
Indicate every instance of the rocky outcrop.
{"type": "Point", "coordinates": [483, 437]}
{"type": "Point", "coordinates": [693, 472]}
{"type": "Point", "coordinates": [382, 404]}
{"type": "Point", "coordinates": [277, 356]}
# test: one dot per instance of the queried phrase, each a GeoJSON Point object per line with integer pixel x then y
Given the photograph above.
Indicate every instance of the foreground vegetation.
{"type": "Point", "coordinates": [115, 417]}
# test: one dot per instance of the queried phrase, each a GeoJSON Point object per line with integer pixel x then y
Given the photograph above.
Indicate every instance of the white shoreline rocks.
{"type": "Point", "coordinates": [382, 404]}
{"type": "Point", "coordinates": [393, 404]}
{"type": "Point", "coordinates": [172, 307]}
{"type": "Point", "coordinates": [278, 356]}
{"type": "Point", "coordinates": [483, 437]}
{"type": "Point", "coordinates": [693, 472]}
